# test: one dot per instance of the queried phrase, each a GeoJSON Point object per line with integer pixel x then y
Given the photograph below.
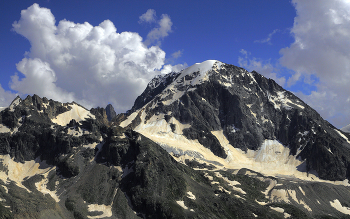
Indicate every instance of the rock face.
{"type": "Point", "coordinates": [110, 112]}
{"type": "Point", "coordinates": [212, 141]}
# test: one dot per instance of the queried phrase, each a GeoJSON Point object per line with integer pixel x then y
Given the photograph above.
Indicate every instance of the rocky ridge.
{"type": "Point", "coordinates": [189, 148]}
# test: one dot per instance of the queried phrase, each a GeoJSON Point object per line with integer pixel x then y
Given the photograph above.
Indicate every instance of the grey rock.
{"type": "Point", "coordinates": [110, 112]}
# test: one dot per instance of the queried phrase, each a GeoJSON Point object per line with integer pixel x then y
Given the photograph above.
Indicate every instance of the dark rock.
{"type": "Point", "coordinates": [110, 112]}
{"type": "Point", "coordinates": [154, 87]}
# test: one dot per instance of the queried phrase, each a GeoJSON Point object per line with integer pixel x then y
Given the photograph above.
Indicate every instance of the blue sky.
{"type": "Point", "coordinates": [302, 45]}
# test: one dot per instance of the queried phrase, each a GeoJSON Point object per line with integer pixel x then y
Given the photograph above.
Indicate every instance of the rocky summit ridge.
{"type": "Point", "coordinates": [211, 141]}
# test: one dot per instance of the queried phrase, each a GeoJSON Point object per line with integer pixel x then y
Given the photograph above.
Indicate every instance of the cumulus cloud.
{"type": "Point", "coordinates": [321, 48]}
{"type": "Point", "coordinates": [39, 79]}
{"type": "Point", "coordinates": [162, 30]}
{"type": "Point", "coordinates": [173, 68]}
{"type": "Point", "coordinates": [94, 65]}
{"type": "Point", "coordinates": [263, 67]}
{"type": "Point", "coordinates": [149, 16]}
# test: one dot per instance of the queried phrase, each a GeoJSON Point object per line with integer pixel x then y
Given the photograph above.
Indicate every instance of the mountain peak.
{"type": "Point", "coordinates": [15, 102]}
{"type": "Point", "coordinates": [201, 70]}
{"type": "Point", "coordinates": [110, 112]}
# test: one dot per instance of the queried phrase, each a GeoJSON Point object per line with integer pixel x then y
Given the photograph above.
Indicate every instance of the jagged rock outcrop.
{"type": "Point", "coordinates": [110, 112]}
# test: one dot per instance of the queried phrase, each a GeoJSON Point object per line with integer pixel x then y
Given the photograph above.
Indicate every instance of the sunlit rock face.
{"type": "Point", "coordinates": [210, 141]}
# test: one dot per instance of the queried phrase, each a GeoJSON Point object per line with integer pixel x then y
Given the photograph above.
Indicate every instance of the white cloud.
{"type": "Point", "coordinates": [39, 79]}
{"type": "Point", "coordinates": [262, 67]}
{"type": "Point", "coordinates": [322, 48]}
{"type": "Point", "coordinates": [94, 65]}
{"type": "Point", "coordinates": [293, 79]}
{"type": "Point", "coordinates": [149, 16]}
{"type": "Point", "coordinates": [244, 52]}
{"type": "Point", "coordinates": [158, 33]}
{"type": "Point", "coordinates": [6, 97]}
{"type": "Point", "coordinates": [173, 68]}
{"type": "Point", "coordinates": [269, 37]}
{"type": "Point", "coordinates": [177, 54]}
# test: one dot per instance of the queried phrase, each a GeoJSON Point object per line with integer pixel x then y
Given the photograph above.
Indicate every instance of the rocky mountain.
{"type": "Point", "coordinates": [239, 115]}
{"type": "Point", "coordinates": [211, 141]}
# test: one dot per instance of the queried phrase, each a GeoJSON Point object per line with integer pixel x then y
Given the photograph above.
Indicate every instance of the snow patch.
{"type": "Point", "coordinates": [270, 187]}
{"type": "Point", "coordinates": [6, 189]}
{"type": "Point", "coordinates": [15, 103]}
{"type": "Point", "coordinates": [203, 68]}
{"type": "Point", "coordinates": [231, 183]}
{"type": "Point", "coordinates": [182, 204]}
{"type": "Point", "coordinates": [281, 210]}
{"type": "Point", "coordinates": [42, 187]}
{"type": "Point", "coordinates": [261, 203]}
{"type": "Point", "coordinates": [225, 84]}
{"type": "Point", "coordinates": [293, 195]}
{"type": "Point", "coordinates": [17, 172]}
{"type": "Point", "coordinates": [330, 151]}
{"type": "Point", "coordinates": [4, 129]}
{"type": "Point", "coordinates": [342, 135]}
{"type": "Point", "coordinates": [188, 79]}
{"type": "Point", "coordinates": [282, 101]}
{"type": "Point", "coordinates": [208, 176]}
{"type": "Point", "coordinates": [278, 209]}
{"type": "Point", "coordinates": [279, 195]}
{"type": "Point", "coordinates": [106, 209]}
{"type": "Point", "coordinates": [129, 119]}
{"type": "Point", "coordinates": [91, 146]}
{"type": "Point", "coordinates": [191, 196]}
{"type": "Point", "coordinates": [272, 151]}
{"type": "Point", "coordinates": [337, 205]}
{"type": "Point", "coordinates": [77, 112]}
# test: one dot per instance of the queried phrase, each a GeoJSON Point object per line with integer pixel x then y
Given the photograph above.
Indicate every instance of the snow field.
{"type": "Point", "coordinates": [77, 112]}
{"type": "Point", "coordinates": [17, 172]}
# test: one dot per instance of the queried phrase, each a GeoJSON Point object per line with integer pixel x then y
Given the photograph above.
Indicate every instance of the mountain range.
{"type": "Point", "coordinates": [210, 141]}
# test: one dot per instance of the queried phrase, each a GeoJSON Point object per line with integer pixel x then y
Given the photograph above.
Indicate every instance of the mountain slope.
{"type": "Point", "coordinates": [238, 115]}
{"type": "Point", "coordinates": [212, 141]}
{"type": "Point", "coordinates": [84, 169]}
